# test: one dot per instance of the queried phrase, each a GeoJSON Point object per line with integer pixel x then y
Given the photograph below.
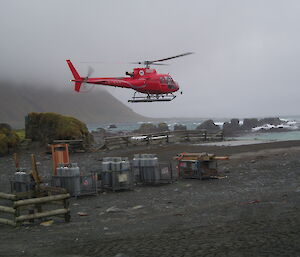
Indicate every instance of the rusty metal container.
{"type": "Point", "coordinates": [198, 165]}
{"type": "Point", "coordinates": [60, 155]}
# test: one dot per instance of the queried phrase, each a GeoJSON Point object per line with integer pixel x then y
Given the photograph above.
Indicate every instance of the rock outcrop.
{"type": "Point", "coordinates": [252, 123]}
{"type": "Point", "coordinates": [209, 125]}
{"type": "Point", "coordinates": [146, 128]}
{"type": "Point", "coordinates": [271, 121]}
{"type": "Point", "coordinates": [161, 127]}
{"type": "Point", "coordinates": [232, 127]}
{"type": "Point", "coordinates": [248, 124]}
{"type": "Point", "coordinates": [179, 127]}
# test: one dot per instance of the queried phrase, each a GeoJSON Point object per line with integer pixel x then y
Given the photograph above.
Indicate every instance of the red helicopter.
{"type": "Point", "coordinates": [157, 87]}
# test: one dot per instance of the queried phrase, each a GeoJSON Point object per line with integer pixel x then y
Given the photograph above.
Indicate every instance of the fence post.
{"type": "Point", "coordinates": [66, 206]}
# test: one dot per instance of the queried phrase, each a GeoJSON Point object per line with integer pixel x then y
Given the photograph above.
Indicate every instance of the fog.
{"type": "Point", "coordinates": [246, 61]}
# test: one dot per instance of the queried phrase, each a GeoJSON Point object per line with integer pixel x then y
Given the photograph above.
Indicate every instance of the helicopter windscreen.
{"type": "Point", "coordinates": [169, 81]}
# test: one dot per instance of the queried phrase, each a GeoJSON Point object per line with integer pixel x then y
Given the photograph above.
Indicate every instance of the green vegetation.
{"type": "Point", "coordinates": [46, 127]}
{"type": "Point", "coordinates": [20, 133]}
{"type": "Point", "coordinates": [8, 139]}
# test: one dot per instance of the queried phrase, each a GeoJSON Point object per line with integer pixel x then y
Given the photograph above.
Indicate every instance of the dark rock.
{"type": "Point", "coordinates": [180, 127]}
{"type": "Point", "coordinates": [248, 124]}
{"type": "Point", "coordinates": [230, 128]}
{"type": "Point", "coordinates": [208, 125]}
{"type": "Point", "coordinates": [151, 128]}
{"type": "Point", "coordinates": [162, 127]}
{"type": "Point", "coordinates": [111, 126]}
{"type": "Point", "coordinates": [273, 121]}
{"type": "Point", "coordinates": [101, 131]}
{"type": "Point", "coordinates": [146, 128]}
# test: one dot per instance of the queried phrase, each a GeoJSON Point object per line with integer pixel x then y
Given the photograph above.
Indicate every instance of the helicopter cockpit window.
{"type": "Point", "coordinates": [162, 80]}
{"type": "Point", "coordinates": [170, 82]}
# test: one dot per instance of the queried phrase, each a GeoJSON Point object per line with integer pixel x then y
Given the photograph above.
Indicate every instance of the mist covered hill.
{"type": "Point", "coordinates": [97, 106]}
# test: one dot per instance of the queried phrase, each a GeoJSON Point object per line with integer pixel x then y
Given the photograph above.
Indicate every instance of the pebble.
{"type": "Point", "coordinates": [114, 209]}
{"type": "Point", "coordinates": [137, 207]}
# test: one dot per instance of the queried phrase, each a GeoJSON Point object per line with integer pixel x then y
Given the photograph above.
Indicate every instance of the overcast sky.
{"type": "Point", "coordinates": [246, 61]}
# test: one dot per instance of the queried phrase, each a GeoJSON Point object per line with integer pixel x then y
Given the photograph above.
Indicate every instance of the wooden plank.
{"type": "Point", "coordinates": [40, 200]}
{"type": "Point", "coordinates": [53, 189]}
{"type": "Point", "coordinates": [7, 209]}
{"type": "Point", "coordinates": [7, 222]}
{"type": "Point", "coordinates": [42, 214]}
{"type": "Point", "coordinates": [28, 194]}
{"type": "Point", "coordinates": [68, 141]}
{"type": "Point", "coordinates": [8, 196]}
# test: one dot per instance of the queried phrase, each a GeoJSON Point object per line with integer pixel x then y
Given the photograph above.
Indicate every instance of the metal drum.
{"type": "Point", "coordinates": [22, 182]}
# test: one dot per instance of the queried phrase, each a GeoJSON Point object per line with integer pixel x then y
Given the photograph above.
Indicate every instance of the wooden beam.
{"type": "Point", "coordinates": [42, 214]}
{"type": "Point", "coordinates": [40, 200]}
{"type": "Point", "coordinates": [7, 209]}
{"type": "Point", "coordinates": [53, 189]}
{"type": "Point", "coordinates": [7, 222]}
{"type": "Point", "coordinates": [8, 196]}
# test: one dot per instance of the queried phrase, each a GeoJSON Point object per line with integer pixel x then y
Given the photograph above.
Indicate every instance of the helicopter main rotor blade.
{"type": "Point", "coordinates": [172, 57]}
{"type": "Point", "coordinates": [145, 63]}
{"type": "Point", "coordinates": [160, 64]}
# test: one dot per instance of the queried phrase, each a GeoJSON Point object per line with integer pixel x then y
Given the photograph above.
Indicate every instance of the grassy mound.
{"type": "Point", "coordinates": [8, 139]}
{"type": "Point", "coordinates": [46, 127]}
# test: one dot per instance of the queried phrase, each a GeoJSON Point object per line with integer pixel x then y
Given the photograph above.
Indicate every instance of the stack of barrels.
{"type": "Point", "coordinates": [146, 168]}
{"type": "Point", "coordinates": [116, 173]}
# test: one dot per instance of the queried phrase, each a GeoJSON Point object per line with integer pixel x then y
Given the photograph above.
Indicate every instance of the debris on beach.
{"type": "Point", "coordinates": [82, 213]}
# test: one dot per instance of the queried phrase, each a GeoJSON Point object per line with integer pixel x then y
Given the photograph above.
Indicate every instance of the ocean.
{"type": "Point", "coordinates": [191, 124]}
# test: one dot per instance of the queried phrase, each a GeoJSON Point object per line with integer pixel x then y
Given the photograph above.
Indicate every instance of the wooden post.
{"type": "Point", "coordinates": [35, 172]}
{"type": "Point", "coordinates": [17, 163]}
{"type": "Point", "coordinates": [67, 214]}
{"type": "Point", "coordinates": [37, 180]}
{"type": "Point", "coordinates": [17, 214]}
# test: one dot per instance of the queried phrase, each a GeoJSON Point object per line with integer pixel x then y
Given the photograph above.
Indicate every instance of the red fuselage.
{"type": "Point", "coordinates": [143, 80]}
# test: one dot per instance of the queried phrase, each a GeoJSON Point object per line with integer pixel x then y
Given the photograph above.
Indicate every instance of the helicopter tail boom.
{"type": "Point", "coordinates": [77, 79]}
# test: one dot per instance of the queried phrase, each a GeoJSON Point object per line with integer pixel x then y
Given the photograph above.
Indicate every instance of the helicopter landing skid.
{"type": "Point", "coordinates": [150, 99]}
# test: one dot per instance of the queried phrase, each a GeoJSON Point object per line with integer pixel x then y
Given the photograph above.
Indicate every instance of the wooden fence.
{"type": "Point", "coordinates": [161, 138]}
{"type": "Point", "coordinates": [17, 205]}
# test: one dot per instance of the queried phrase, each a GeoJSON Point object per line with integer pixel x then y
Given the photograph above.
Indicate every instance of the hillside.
{"type": "Point", "coordinates": [97, 106]}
